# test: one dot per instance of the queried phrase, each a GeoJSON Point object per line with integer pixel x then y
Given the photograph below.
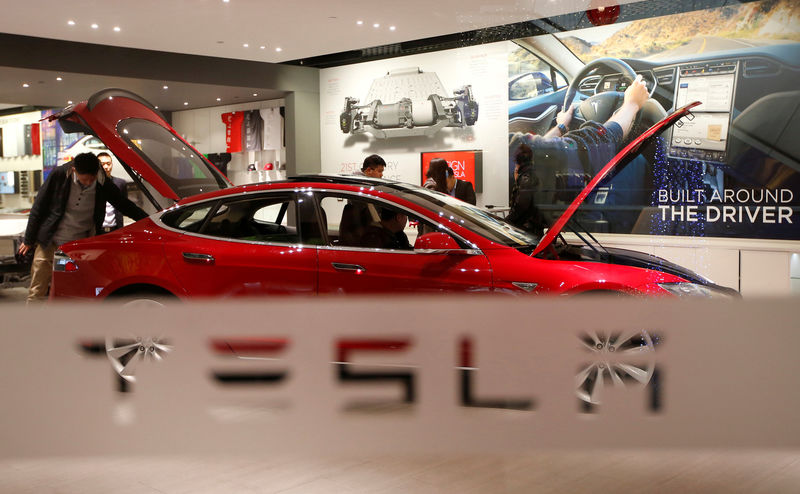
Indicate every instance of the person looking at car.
{"type": "Point", "coordinates": [372, 167]}
{"type": "Point", "coordinates": [460, 189]}
{"type": "Point", "coordinates": [585, 149]}
{"type": "Point", "coordinates": [113, 218]}
{"type": "Point", "coordinates": [436, 176]}
{"type": "Point", "coordinates": [69, 206]}
{"type": "Point", "coordinates": [388, 234]}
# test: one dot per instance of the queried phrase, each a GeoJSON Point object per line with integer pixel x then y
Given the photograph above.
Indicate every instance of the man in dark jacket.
{"type": "Point", "coordinates": [113, 218]}
{"type": "Point", "coordinates": [460, 189]}
{"type": "Point", "coordinates": [69, 206]}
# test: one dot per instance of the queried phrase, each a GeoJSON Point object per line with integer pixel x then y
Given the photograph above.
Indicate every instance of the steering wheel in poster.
{"type": "Point", "coordinates": [602, 106]}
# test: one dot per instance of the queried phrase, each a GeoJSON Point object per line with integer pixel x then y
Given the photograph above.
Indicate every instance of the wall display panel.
{"type": "Point", "coordinates": [732, 170]}
{"type": "Point", "coordinates": [398, 108]}
{"type": "Point", "coordinates": [466, 165]}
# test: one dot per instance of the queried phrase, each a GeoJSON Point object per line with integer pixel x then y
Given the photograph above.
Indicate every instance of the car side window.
{"type": "Point", "coordinates": [355, 221]}
{"type": "Point", "coordinates": [270, 218]}
{"type": "Point", "coordinates": [189, 218]}
{"type": "Point", "coordinates": [530, 76]}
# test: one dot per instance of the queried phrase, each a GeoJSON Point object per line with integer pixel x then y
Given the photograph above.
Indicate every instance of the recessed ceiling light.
{"type": "Point", "coordinates": [58, 78]}
{"type": "Point", "coordinates": [156, 107]}
{"type": "Point", "coordinates": [69, 102]}
{"type": "Point", "coordinates": [255, 94]}
{"type": "Point", "coordinates": [166, 87]}
{"type": "Point", "coordinates": [219, 99]}
{"type": "Point", "coordinates": [359, 22]}
{"type": "Point", "coordinates": [117, 29]}
{"type": "Point", "coordinates": [278, 48]}
{"type": "Point", "coordinates": [392, 28]}
{"type": "Point", "coordinates": [226, 1]}
{"type": "Point", "coordinates": [376, 25]}
{"type": "Point", "coordinates": [263, 47]}
{"type": "Point", "coordinates": [71, 22]}
{"type": "Point", "coordinates": [26, 85]}
{"type": "Point", "coordinates": [95, 26]}
{"type": "Point", "coordinates": [185, 103]}
{"type": "Point", "coordinates": [245, 45]}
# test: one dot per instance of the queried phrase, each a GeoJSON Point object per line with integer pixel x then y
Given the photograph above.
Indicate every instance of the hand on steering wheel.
{"type": "Point", "coordinates": [601, 106]}
{"type": "Point", "coordinates": [565, 116]}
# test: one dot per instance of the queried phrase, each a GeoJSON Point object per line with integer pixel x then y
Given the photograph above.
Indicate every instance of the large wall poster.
{"type": "Point", "coordinates": [443, 101]}
{"type": "Point", "coordinates": [733, 170]}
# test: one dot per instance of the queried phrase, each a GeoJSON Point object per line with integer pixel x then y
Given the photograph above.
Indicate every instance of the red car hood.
{"type": "Point", "coordinates": [106, 115]}
{"type": "Point", "coordinates": [626, 152]}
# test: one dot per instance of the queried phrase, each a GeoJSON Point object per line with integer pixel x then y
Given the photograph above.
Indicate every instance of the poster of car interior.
{"type": "Point", "coordinates": [401, 107]}
{"type": "Point", "coordinates": [732, 170]}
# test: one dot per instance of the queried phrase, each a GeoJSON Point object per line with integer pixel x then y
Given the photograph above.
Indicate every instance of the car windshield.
{"type": "Point", "coordinates": [470, 217]}
{"type": "Point", "coordinates": [679, 35]}
{"type": "Point", "coordinates": [184, 171]}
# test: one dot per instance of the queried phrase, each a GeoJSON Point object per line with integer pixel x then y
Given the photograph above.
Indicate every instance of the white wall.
{"type": "Point", "coordinates": [483, 67]}
{"type": "Point", "coordinates": [203, 129]}
{"type": "Point", "coordinates": [756, 268]}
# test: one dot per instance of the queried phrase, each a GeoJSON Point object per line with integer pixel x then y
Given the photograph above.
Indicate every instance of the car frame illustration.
{"type": "Point", "coordinates": [408, 102]}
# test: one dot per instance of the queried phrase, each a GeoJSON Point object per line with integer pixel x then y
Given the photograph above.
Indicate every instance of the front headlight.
{"type": "Point", "coordinates": [695, 290]}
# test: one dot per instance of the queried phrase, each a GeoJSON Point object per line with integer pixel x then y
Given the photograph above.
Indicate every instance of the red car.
{"type": "Point", "coordinates": [323, 234]}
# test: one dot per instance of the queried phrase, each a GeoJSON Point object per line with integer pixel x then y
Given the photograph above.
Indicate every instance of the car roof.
{"type": "Point", "coordinates": [380, 184]}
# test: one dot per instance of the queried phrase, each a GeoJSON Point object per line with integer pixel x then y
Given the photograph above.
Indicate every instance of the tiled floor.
{"type": "Point", "coordinates": [682, 472]}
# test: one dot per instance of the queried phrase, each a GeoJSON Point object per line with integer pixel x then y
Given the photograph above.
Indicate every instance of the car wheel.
{"type": "Point", "coordinates": [620, 359]}
{"type": "Point", "coordinates": [143, 303]}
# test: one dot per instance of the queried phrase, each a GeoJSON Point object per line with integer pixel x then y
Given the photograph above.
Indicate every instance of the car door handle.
{"type": "Point", "coordinates": [338, 266]}
{"type": "Point", "coordinates": [195, 258]}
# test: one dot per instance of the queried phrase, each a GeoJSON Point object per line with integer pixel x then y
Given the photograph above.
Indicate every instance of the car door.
{"type": "Point", "coordinates": [246, 245]}
{"type": "Point", "coordinates": [351, 263]}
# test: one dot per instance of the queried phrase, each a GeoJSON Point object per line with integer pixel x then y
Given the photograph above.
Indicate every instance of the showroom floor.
{"type": "Point", "coordinates": [568, 472]}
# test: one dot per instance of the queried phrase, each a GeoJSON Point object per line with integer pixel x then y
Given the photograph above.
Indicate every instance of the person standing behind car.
{"type": "Point", "coordinates": [373, 167]}
{"type": "Point", "coordinates": [437, 175]}
{"type": "Point", "coordinates": [113, 219]}
{"type": "Point", "coordinates": [460, 189]}
{"type": "Point", "coordinates": [69, 206]}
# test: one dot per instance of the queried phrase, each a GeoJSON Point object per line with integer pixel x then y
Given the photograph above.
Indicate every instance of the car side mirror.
{"type": "Point", "coordinates": [436, 241]}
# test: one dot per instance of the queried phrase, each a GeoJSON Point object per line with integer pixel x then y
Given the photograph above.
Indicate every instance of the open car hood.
{"type": "Point", "coordinates": [157, 158]}
{"type": "Point", "coordinates": [628, 151]}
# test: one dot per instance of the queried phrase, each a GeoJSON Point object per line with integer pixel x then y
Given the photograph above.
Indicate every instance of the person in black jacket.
{"type": "Point", "coordinates": [460, 189]}
{"type": "Point", "coordinates": [113, 218]}
{"type": "Point", "coordinates": [69, 206]}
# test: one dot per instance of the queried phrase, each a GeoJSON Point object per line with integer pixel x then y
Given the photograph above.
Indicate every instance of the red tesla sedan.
{"type": "Point", "coordinates": [322, 234]}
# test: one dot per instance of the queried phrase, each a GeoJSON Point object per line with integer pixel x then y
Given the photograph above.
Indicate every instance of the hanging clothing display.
{"type": "Point", "coordinates": [273, 128]}
{"type": "Point", "coordinates": [253, 130]}
{"type": "Point", "coordinates": [233, 131]}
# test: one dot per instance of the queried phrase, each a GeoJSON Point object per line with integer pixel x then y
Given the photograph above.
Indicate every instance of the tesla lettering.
{"type": "Point", "coordinates": [259, 350]}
